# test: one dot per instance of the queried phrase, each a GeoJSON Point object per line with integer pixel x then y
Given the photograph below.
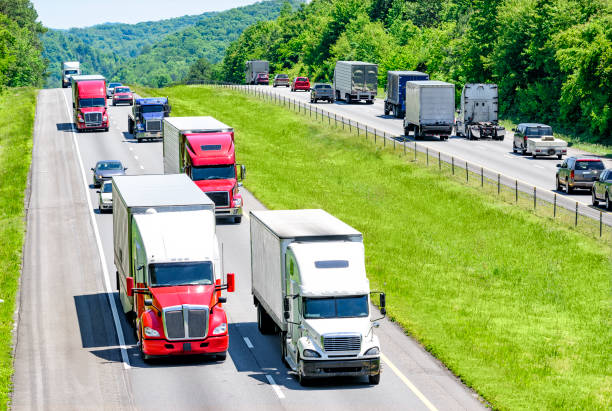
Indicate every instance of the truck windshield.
{"type": "Point", "coordinates": [213, 173]}
{"type": "Point", "coordinates": [71, 71]}
{"type": "Point", "coordinates": [185, 273]}
{"type": "Point", "coordinates": [92, 102]}
{"type": "Point", "coordinates": [538, 131]}
{"type": "Point", "coordinates": [151, 109]}
{"type": "Point", "coordinates": [336, 307]}
{"type": "Point", "coordinates": [113, 85]}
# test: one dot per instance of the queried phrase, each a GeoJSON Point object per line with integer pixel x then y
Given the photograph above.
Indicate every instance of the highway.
{"type": "Point", "coordinates": [493, 155]}
{"type": "Point", "coordinates": [74, 351]}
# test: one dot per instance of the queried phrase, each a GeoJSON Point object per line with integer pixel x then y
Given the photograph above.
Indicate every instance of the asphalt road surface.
{"type": "Point", "coordinates": [75, 352]}
{"type": "Point", "coordinates": [490, 154]}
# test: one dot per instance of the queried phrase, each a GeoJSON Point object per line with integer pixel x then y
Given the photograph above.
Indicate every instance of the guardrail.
{"type": "Point", "coordinates": [542, 202]}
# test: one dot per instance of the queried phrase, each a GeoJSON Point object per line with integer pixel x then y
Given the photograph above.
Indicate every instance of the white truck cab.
{"type": "Point", "coordinates": [309, 284]}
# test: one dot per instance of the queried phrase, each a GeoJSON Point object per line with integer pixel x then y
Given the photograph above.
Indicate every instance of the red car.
{"type": "Point", "coordinates": [262, 78]}
{"type": "Point", "coordinates": [123, 95]}
{"type": "Point", "coordinates": [300, 83]}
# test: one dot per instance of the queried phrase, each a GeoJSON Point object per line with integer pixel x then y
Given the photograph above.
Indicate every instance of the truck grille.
{"type": "Point", "coordinates": [153, 125]}
{"type": "Point", "coordinates": [93, 118]}
{"type": "Point", "coordinates": [220, 198]}
{"type": "Point", "coordinates": [342, 342]}
{"type": "Point", "coordinates": [186, 322]}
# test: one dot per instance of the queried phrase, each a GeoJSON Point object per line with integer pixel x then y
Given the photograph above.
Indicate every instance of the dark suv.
{"type": "Point", "coordinates": [578, 172]}
{"type": "Point", "coordinates": [321, 91]}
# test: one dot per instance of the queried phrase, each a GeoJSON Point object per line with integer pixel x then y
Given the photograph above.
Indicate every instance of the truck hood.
{"type": "Point", "coordinates": [153, 116]}
{"type": "Point", "coordinates": [183, 294]}
{"type": "Point", "coordinates": [110, 173]}
{"type": "Point", "coordinates": [216, 185]}
{"type": "Point", "coordinates": [93, 109]}
{"type": "Point", "coordinates": [323, 326]}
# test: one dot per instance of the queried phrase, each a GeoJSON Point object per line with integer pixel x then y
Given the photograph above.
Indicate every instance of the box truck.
{"type": "Point", "coordinates": [257, 72]}
{"type": "Point", "coordinates": [69, 69]}
{"type": "Point", "coordinates": [355, 80]}
{"type": "Point", "coordinates": [168, 266]}
{"type": "Point", "coordinates": [395, 101]}
{"type": "Point", "coordinates": [309, 284]}
{"type": "Point", "coordinates": [477, 115]}
{"type": "Point", "coordinates": [204, 149]}
{"type": "Point", "coordinates": [430, 109]}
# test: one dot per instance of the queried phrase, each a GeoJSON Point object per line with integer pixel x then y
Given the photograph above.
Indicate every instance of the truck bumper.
{"type": "Point", "coordinates": [228, 212]}
{"type": "Point", "coordinates": [84, 126]}
{"type": "Point", "coordinates": [363, 96]}
{"type": "Point", "coordinates": [342, 368]}
{"type": "Point", "coordinates": [437, 130]}
{"type": "Point", "coordinates": [149, 134]}
{"type": "Point", "coordinates": [106, 206]}
{"type": "Point", "coordinates": [164, 348]}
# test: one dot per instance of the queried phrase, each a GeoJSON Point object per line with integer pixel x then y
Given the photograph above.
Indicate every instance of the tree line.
{"type": "Point", "coordinates": [552, 59]}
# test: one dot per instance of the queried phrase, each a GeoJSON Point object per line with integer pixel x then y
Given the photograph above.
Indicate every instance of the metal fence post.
{"type": "Point", "coordinates": [516, 191]}
{"type": "Point", "coordinates": [534, 198]}
{"type": "Point", "coordinates": [415, 153]}
{"type": "Point", "coordinates": [481, 177]}
{"type": "Point", "coordinates": [374, 136]}
{"type": "Point", "coordinates": [453, 165]}
{"type": "Point", "coordinates": [342, 122]}
{"type": "Point", "coordinates": [467, 172]}
{"type": "Point", "coordinates": [498, 183]}
{"type": "Point", "coordinates": [439, 161]}
{"type": "Point", "coordinates": [576, 223]}
{"type": "Point", "coordinates": [357, 129]}
{"type": "Point", "coordinates": [384, 139]}
{"type": "Point", "coordinates": [310, 109]}
{"type": "Point", "coordinates": [350, 129]}
{"type": "Point", "coordinates": [427, 156]}
{"type": "Point", "coordinates": [600, 223]}
{"type": "Point", "coordinates": [555, 205]}
{"type": "Point", "coordinates": [366, 132]}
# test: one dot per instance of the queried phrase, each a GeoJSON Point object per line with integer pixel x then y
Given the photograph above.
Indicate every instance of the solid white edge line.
{"type": "Point", "coordinates": [276, 388]}
{"type": "Point", "coordinates": [248, 342]}
{"type": "Point", "coordinates": [109, 291]}
{"type": "Point", "coordinates": [410, 385]}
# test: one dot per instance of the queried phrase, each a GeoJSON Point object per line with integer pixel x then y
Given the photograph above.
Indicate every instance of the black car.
{"type": "Point", "coordinates": [105, 170]}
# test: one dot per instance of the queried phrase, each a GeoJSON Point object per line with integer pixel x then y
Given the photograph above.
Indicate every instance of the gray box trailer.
{"type": "Point", "coordinates": [395, 101]}
{"type": "Point", "coordinates": [254, 67]}
{"type": "Point", "coordinates": [478, 112]}
{"type": "Point", "coordinates": [355, 80]}
{"type": "Point", "coordinates": [137, 194]}
{"type": "Point", "coordinates": [430, 109]}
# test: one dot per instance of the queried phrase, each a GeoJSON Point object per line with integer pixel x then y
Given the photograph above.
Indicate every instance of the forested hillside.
{"type": "Point", "coordinates": [21, 63]}
{"type": "Point", "coordinates": [152, 53]}
{"type": "Point", "coordinates": [551, 58]}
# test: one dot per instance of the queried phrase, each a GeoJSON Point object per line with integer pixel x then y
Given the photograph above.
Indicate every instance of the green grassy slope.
{"type": "Point", "coordinates": [17, 107]}
{"type": "Point", "coordinates": [517, 307]}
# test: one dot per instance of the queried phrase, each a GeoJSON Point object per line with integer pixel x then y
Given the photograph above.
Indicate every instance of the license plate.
{"type": "Point", "coordinates": [186, 347]}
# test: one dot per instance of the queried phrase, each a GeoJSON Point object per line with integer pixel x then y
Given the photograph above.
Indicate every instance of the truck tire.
{"type": "Point", "coordinates": [513, 147]}
{"type": "Point", "coordinates": [283, 347]}
{"type": "Point", "coordinates": [144, 356]}
{"type": "Point", "coordinates": [523, 150]}
{"type": "Point", "coordinates": [264, 322]}
{"type": "Point", "coordinates": [533, 156]}
{"type": "Point", "coordinates": [406, 131]}
{"type": "Point", "coordinates": [237, 220]}
{"type": "Point", "coordinates": [130, 126]}
{"type": "Point", "coordinates": [374, 379]}
{"type": "Point", "coordinates": [221, 356]}
{"type": "Point", "coordinates": [387, 111]}
{"type": "Point", "coordinates": [559, 156]}
{"type": "Point", "coordinates": [302, 379]}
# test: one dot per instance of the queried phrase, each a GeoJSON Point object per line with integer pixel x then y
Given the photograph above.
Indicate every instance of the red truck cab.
{"type": "Point", "coordinates": [89, 103]}
{"type": "Point", "coordinates": [204, 149]}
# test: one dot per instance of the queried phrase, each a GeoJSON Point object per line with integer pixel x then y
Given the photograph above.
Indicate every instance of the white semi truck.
{"type": "Point", "coordinates": [309, 284]}
{"type": "Point", "coordinates": [478, 113]}
{"type": "Point", "coordinates": [69, 69]}
{"type": "Point", "coordinates": [355, 80]}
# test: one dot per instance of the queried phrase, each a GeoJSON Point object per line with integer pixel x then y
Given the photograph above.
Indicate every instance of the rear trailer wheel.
{"type": "Point", "coordinates": [283, 347]}
{"type": "Point", "coordinates": [374, 379]}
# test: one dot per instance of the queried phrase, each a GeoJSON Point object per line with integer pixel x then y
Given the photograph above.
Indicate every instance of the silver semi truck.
{"type": "Point", "coordinates": [477, 115]}
{"type": "Point", "coordinates": [355, 80]}
{"type": "Point", "coordinates": [255, 67]}
{"type": "Point", "coordinates": [309, 284]}
{"type": "Point", "coordinates": [430, 109]}
{"type": "Point", "coordinates": [69, 69]}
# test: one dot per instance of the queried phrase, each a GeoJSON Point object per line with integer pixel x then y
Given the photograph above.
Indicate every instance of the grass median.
{"type": "Point", "coordinates": [17, 108]}
{"type": "Point", "coordinates": [515, 306]}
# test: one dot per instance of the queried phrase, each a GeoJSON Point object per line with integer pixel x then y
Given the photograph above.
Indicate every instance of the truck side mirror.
{"type": "Point", "coordinates": [286, 308]}
{"type": "Point", "coordinates": [73, 104]}
{"type": "Point", "coordinates": [383, 300]}
{"type": "Point", "coordinates": [242, 171]}
{"type": "Point", "coordinates": [98, 191]}
{"type": "Point", "coordinates": [558, 165]}
{"type": "Point", "coordinates": [231, 282]}
{"type": "Point", "coordinates": [129, 285]}
{"type": "Point", "coordinates": [148, 302]}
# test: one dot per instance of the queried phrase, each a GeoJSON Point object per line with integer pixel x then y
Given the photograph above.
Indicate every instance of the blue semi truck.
{"type": "Point", "coordinates": [395, 102]}
{"type": "Point", "coordinates": [147, 117]}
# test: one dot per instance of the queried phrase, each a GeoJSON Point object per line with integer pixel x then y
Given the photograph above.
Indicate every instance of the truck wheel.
{"type": "Point", "coordinates": [387, 110]}
{"type": "Point", "coordinates": [144, 356]}
{"type": "Point", "coordinates": [560, 156]}
{"type": "Point", "coordinates": [237, 220]}
{"type": "Point", "coordinates": [369, 101]}
{"type": "Point", "coordinates": [302, 379]}
{"type": "Point", "coordinates": [593, 198]}
{"type": "Point", "coordinates": [283, 347]}
{"type": "Point", "coordinates": [406, 131]}
{"type": "Point", "coordinates": [374, 379]}
{"type": "Point", "coordinates": [263, 321]}
{"type": "Point", "coordinates": [513, 147]}
{"type": "Point", "coordinates": [130, 129]}
{"type": "Point", "coordinates": [533, 156]}
{"type": "Point", "coordinates": [221, 356]}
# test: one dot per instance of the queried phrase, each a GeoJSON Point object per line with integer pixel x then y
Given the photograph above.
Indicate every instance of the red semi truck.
{"type": "Point", "coordinates": [89, 102]}
{"type": "Point", "coordinates": [203, 148]}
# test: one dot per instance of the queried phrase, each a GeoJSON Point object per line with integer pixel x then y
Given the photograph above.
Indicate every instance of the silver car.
{"type": "Point", "coordinates": [110, 89]}
{"type": "Point", "coordinates": [105, 196]}
{"type": "Point", "coordinates": [105, 170]}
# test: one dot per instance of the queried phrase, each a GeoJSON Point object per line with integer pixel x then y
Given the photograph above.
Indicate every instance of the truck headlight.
{"type": "Point", "coordinates": [372, 351]}
{"type": "Point", "coordinates": [105, 118]}
{"type": "Point", "coordinates": [237, 202]}
{"type": "Point", "coordinates": [220, 329]}
{"type": "Point", "coordinates": [311, 354]}
{"type": "Point", "coordinates": [150, 332]}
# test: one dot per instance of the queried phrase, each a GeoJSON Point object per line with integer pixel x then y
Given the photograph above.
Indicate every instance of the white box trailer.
{"type": "Point", "coordinates": [355, 80]}
{"type": "Point", "coordinates": [134, 195]}
{"type": "Point", "coordinates": [304, 262]}
{"type": "Point", "coordinates": [253, 68]}
{"type": "Point", "coordinates": [430, 109]}
{"type": "Point", "coordinates": [478, 112]}
{"type": "Point", "coordinates": [69, 69]}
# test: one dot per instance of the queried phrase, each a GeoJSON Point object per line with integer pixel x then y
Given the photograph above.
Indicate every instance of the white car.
{"type": "Point", "coordinates": [105, 196]}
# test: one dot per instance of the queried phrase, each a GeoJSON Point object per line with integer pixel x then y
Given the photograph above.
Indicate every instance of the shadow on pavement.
{"type": "Point", "coordinates": [65, 127]}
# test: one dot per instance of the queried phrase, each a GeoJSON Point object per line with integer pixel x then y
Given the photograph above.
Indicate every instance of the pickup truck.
{"type": "Point", "coordinates": [537, 140]}
{"type": "Point", "coordinates": [322, 91]}
{"type": "Point", "coordinates": [602, 189]}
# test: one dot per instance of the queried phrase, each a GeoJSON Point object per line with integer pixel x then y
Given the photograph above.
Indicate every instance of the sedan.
{"type": "Point", "coordinates": [281, 80]}
{"type": "Point", "coordinates": [111, 88]}
{"type": "Point", "coordinates": [105, 170]}
{"type": "Point", "coordinates": [123, 95]}
{"type": "Point", "coordinates": [105, 196]}
{"type": "Point", "coordinates": [300, 83]}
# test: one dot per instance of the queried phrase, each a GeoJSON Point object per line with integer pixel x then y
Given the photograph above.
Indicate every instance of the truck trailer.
{"type": "Point", "coordinates": [147, 116]}
{"type": "Point", "coordinates": [355, 81]}
{"type": "Point", "coordinates": [430, 109]}
{"type": "Point", "coordinates": [395, 102]}
{"type": "Point", "coordinates": [204, 149]}
{"type": "Point", "coordinates": [477, 116]}
{"type": "Point", "coordinates": [255, 67]}
{"type": "Point", "coordinates": [69, 69]}
{"type": "Point", "coordinates": [309, 284]}
{"type": "Point", "coordinates": [89, 108]}
{"type": "Point", "coordinates": [168, 266]}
